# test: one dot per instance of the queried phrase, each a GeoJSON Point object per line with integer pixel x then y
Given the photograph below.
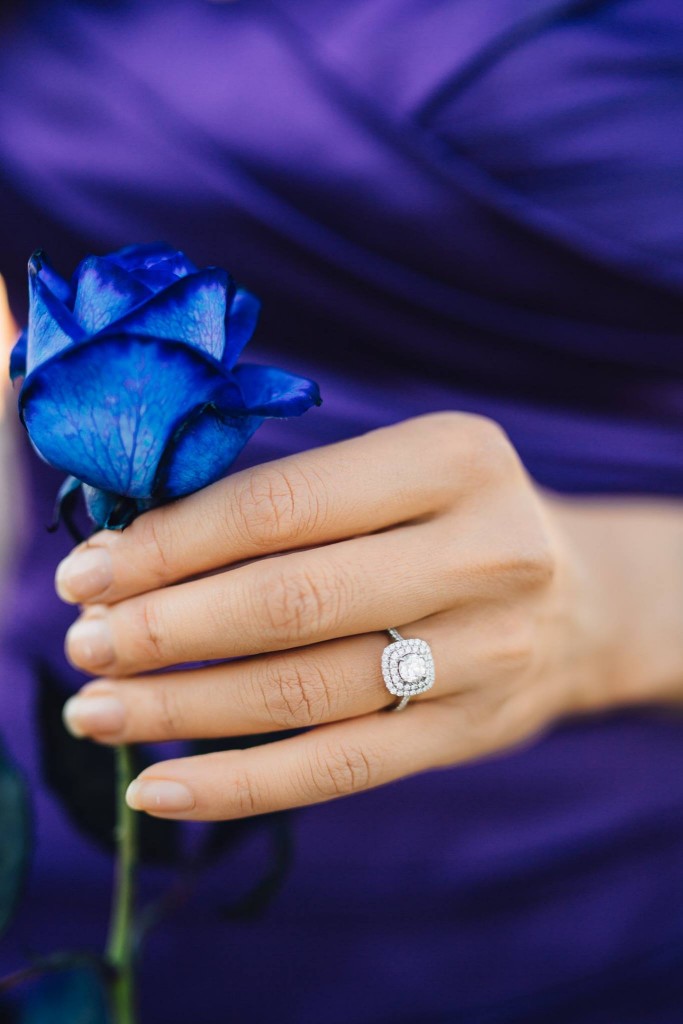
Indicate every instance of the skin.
{"type": "Point", "coordinates": [535, 606]}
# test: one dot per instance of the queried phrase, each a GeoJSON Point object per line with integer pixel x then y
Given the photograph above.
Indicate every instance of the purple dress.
{"type": "Point", "coordinates": [444, 205]}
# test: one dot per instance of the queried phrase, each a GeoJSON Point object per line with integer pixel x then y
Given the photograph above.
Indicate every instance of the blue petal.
{"type": "Point", "coordinates": [105, 410]}
{"type": "Point", "coordinates": [160, 275]}
{"type": "Point", "coordinates": [268, 391]}
{"type": "Point", "coordinates": [104, 293]}
{"type": "Point", "coordinates": [68, 488]}
{"type": "Point", "coordinates": [132, 257]}
{"type": "Point", "coordinates": [101, 504]}
{"type": "Point", "coordinates": [17, 359]}
{"type": "Point", "coordinates": [156, 265]}
{"type": "Point", "coordinates": [64, 508]}
{"type": "Point", "coordinates": [60, 288]}
{"type": "Point", "coordinates": [241, 323]}
{"type": "Point", "coordinates": [202, 451]}
{"type": "Point", "coordinates": [111, 511]}
{"type": "Point", "coordinates": [51, 327]}
{"type": "Point", "coordinates": [191, 310]}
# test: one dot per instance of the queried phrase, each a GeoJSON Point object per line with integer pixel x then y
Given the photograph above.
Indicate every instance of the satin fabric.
{"type": "Point", "coordinates": [445, 205]}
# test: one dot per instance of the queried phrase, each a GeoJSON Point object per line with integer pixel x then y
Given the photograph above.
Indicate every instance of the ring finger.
{"type": "Point", "coordinates": [323, 683]}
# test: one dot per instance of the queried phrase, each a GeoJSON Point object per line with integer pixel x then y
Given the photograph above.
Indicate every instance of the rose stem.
{"type": "Point", "coordinates": [120, 952]}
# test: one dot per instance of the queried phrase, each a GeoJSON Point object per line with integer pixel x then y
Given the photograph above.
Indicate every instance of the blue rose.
{"type": "Point", "coordinates": [130, 383]}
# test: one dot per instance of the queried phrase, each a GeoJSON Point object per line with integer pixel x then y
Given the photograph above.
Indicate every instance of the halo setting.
{"type": "Point", "coordinates": [407, 668]}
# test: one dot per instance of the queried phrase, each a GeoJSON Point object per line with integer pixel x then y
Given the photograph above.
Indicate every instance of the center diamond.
{"type": "Point", "coordinates": [412, 668]}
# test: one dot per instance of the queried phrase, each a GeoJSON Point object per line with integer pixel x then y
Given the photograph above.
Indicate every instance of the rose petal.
{"type": "Point", "coordinates": [241, 323]}
{"type": "Point", "coordinates": [51, 326]}
{"type": "Point", "coordinates": [269, 391]}
{"type": "Point", "coordinates": [165, 272]}
{"type": "Point", "coordinates": [155, 265]}
{"type": "Point", "coordinates": [17, 359]}
{"type": "Point", "coordinates": [133, 257]}
{"type": "Point", "coordinates": [190, 310]}
{"type": "Point", "coordinates": [106, 409]}
{"type": "Point", "coordinates": [64, 506]}
{"type": "Point", "coordinates": [60, 288]}
{"type": "Point", "coordinates": [104, 293]}
{"type": "Point", "coordinates": [202, 451]}
{"type": "Point", "coordinates": [111, 511]}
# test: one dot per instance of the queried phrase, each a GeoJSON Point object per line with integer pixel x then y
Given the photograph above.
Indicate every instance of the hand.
{"type": "Point", "coordinates": [296, 568]}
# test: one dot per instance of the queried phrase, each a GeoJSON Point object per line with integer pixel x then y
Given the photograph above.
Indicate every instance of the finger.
{"type": "Point", "coordinates": [332, 761]}
{"type": "Point", "coordinates": [311, 686]}
{"type": "Point", "coordinates": [323, 683]}
{"type": "Point", "coordinates": [356, 486]}
{"type": "Point", "coordinates": [342, 589]}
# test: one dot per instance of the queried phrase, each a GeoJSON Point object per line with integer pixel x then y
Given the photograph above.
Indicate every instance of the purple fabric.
{"type": "Point", "coordinates": [443, 205]}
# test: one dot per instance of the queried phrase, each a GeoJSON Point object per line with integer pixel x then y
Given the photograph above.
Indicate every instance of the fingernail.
{"type": "Point", "coordinates": [83, 575]}
{"type": "Point", "coordinates": [89, 642]}
{"type": "Point", "coordinates": [159, 795]}
{"type": "Point", "coordinates": [84, 715]}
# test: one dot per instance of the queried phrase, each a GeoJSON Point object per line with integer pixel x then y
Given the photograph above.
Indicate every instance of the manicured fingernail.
{"type": "Point", "coordinates": [89, 642]}
{"type": "Point", "coordinates": [159, 796]}
{"type": "Point", "coordinates": [83, 575]}
{"type": "Point", "coordinates": [84, 715]}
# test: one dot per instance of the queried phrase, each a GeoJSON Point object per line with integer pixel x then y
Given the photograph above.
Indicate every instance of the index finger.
{"type": "Point", "coordinates": [364, 484]}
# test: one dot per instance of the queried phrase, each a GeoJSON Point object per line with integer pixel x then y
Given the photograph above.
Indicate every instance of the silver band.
{"type": "Point", "coordinates": [407, 668]}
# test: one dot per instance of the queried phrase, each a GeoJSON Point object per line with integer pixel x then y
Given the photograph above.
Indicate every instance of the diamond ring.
{"type": "Point", "coordinates": [407, 667]}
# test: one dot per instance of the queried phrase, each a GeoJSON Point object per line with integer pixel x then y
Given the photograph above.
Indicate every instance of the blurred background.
{"type": "Point", "coordinates": [8, 471]}
{"type": "Point", "coordinates": [464, 204]}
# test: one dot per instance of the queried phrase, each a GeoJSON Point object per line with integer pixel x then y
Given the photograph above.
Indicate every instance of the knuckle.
{"type": "Point", "coordinates": [245, 798]}
{"type": "Point", "coordinates": [493, 451]}
{"type": "Point", "coordinates": [472, 446]}
{"type": "Point", "coordinates": [444, 424]}
{"type": "Point", "coordinates": [169, 717]}
{"type": "Point", "coordinates": [514, 716]}
{"type": "Point", "coordinates": [515, 642]}
{"type": "Point", "coordinates": [151, 633]}
{"type": "Point", "coordinates": [476, 717]}
{"type": "Point", "coordinates": [522, 715]}
{"type": "Point", "coordinates": [507, 566]}
{"type": "Point", "coordinates": [489, 725]}
{"type": "Point", "coordinates": [534, 560]}
{"type": "Point", "coordinates": [489, 453]}
{"type": "Point", "coordinates": [340, 771]}
{"type": "Point", "coordinates": [487, 571]}
{"type": "Point", "coordinates": [302, 605]}
{"type": "Point", "coordinates": [294, 695]}
{"type": "Point", "coordinates": [275, 504]}
{"type": "Point", "coordinates": [152, 536]}
{"type": "Point", "coordinates": [444, 432]}
{"type": "Point", "coordinates": [533, 568]}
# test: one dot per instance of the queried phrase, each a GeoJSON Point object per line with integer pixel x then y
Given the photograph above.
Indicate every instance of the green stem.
{"type": "Point", "coordinates": [120, 951]}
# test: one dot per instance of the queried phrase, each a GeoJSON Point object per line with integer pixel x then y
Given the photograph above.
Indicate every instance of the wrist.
{"type": "Point", "coordinates": [626, 560]}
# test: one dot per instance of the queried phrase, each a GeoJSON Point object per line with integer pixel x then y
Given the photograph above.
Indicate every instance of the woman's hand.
{"type": "Point", "coordinates": [297, 567]}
